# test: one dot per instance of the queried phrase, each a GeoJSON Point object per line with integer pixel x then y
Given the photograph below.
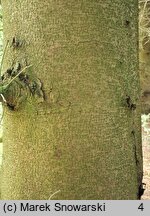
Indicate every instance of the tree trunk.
{"type": "Point", "coordinates": [83, 139]}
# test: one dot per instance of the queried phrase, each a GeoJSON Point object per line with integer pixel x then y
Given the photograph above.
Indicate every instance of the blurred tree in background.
{"type": "Point", "coordinates": [144, 53]}
{"type": "Point", "coordinates": [84, 139]}
{"type": "Point", "coordinates": [1, 51]}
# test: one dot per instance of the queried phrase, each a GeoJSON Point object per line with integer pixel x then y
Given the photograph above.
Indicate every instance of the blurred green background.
{"type": "Point", "coordinates": [1, 111]}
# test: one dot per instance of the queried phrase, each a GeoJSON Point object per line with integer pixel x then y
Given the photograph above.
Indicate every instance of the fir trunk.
{"type": "Point", "coordinates": [83, 140]}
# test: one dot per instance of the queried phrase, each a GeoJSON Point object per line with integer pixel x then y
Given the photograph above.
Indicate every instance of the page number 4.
{"type": "Point", "coordinates": [141, 207]}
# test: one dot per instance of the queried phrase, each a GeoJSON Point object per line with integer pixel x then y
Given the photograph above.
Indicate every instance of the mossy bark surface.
{"type": "Point", "coordinates": [84, 138]}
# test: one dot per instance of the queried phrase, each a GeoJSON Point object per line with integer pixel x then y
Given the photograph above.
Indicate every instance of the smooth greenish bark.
{"type": "Point", "coordinates": [85, 138]}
